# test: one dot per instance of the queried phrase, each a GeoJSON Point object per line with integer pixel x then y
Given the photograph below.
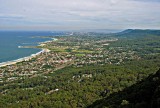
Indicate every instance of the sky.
{"type": "Point", "coordinates": [79, 14]}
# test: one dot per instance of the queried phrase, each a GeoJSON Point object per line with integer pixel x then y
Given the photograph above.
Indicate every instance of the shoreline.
{"type": "Point", "coordinates": [27, 58]}
{"type": "Point", "coordinates": [3, 64]}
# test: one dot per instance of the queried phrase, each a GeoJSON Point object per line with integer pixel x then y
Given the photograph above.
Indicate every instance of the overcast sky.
{"type": "Point", "coordinates": [79, 14]}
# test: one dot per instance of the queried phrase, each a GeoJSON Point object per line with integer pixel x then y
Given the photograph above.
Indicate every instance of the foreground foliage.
{"type": "Point", "coordinates": [144, 94]}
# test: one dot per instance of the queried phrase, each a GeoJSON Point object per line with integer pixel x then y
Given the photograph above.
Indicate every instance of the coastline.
{"type": "Point", "coordinates": [12, 62]}
{"type": "Point", "coordinates": [3, 64]}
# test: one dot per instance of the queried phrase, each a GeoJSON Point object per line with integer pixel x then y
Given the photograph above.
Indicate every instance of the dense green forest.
{"type": "Point", "coordinates": [143, 94]}
{"type": "Point", "coordinates": [131, 84]}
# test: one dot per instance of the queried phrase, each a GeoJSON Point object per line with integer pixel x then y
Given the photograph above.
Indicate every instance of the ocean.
{"type": "Point", "coordinates": [11, 40]}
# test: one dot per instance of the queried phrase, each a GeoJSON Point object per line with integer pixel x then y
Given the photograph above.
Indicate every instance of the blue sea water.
{"type": "Point", "coordinates": [10, 40]}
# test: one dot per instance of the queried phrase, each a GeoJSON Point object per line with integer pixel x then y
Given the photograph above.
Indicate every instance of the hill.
{"type": "Point", "coordinates": [144, 94]}
{"type": "Point", "coordinates": [137, 33]}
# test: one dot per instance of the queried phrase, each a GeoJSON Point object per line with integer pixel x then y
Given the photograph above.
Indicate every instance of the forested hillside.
{"type": "Point", "coordinates": [143, 94]}
{"type": "Point", "coordinates": [137, 33]}
{"type": "Point", "coordinates": [74, 87]}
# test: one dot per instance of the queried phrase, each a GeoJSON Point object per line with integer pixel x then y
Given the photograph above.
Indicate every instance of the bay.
{"type": "Point", "coordinates": [11, 40]}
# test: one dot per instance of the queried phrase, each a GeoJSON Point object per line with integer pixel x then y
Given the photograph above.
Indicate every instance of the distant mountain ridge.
{"type": "Point", "coordinates": [137, 33]}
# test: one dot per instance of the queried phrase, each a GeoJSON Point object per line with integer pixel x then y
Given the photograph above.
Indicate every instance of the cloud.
{"type": "Point", "coordinates": [80, 13]}
{"type": "Point", "coordinates": [147, 0]}
{"type": "Point", "coordinates": [11, 16]}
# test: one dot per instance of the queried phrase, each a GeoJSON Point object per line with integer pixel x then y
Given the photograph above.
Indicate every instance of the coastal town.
{"type": "Point", "coordinates": [45, 62]}
{"type": "Point", "coordinates": [73, 50]}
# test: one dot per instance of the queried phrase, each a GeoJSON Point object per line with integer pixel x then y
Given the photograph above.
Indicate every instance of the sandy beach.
{"type": "Point", "coordinates": [21, 59]}
{"type": "Point", "coordinates": [44, 43]}
{"type": "Point", "coordinates": [3, 64]}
